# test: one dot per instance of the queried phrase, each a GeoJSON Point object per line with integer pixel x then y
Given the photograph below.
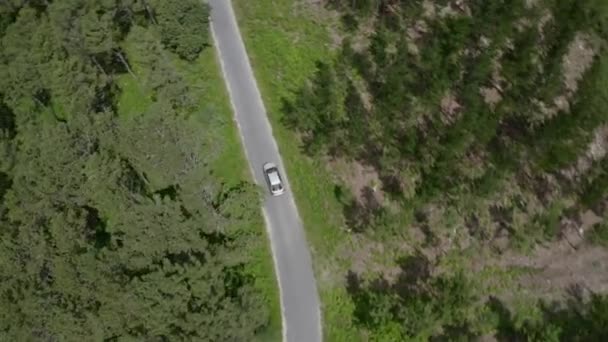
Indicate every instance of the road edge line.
{"type": "Point", "coordinates": [252, 171]}
{"type": "Point", "coordinates": [285, 174]}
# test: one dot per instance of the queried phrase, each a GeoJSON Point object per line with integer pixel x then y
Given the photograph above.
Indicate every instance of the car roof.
{"type": "Point", "coordinates": [273, 177]}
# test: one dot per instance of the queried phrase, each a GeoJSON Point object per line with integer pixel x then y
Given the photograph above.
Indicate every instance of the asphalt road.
{"type": "Point", "coordinates": [300, 308]}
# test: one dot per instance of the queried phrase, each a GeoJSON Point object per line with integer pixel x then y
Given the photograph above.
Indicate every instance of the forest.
{"type": "Point", "coordinates": [486, 124]}
{"type": "Point", "coordinates": [483, 123]}
{"type": "Point", "coordinates": [467, 105]}
{"type": "Point", "coordinates": [114, 222]}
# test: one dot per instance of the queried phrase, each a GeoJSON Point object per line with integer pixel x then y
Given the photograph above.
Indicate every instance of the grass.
{"type": "Point", "coordinates": [204, 76]}
{"type": "Point", "coordinates": [284, 40]}
{"type": "Point", "coordinates": [132, 100]}
{"type": "Point", "coordinates": [230, 167]}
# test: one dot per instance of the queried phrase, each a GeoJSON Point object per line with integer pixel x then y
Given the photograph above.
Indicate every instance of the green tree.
{"type": "Point", "coordinates": [160, 76]}
{"type": "Point", "coordinates": [183, 26]}
{"type": "Point", "coordinates": [416, 307]}
{"type": "Point", "coordinates": [112, 227]}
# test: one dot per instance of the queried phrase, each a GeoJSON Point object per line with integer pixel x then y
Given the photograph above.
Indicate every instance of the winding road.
{"type": "Point", "coordinates": [300, 310]}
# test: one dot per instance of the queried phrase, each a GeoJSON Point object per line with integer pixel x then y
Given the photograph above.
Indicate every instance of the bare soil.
{"type": "Point", "coordinates": [575, 63]}
{"type": "Point", "coordinates": [560, 267]}
{"type": "Point", "coordinates": [368, 257]}
{"type": "Point", "coordinates": [597, 149]}
{"type": "Point", "coordinates": [450, 108]}
{"type": "Point", "coordinates": [491, 96]}
{"type": "Point", "coordinates": [555, 268]}
{"type": "Point", "coordinates": [358, 177]}
{"type": "Point", "coordinates": [577, 60]}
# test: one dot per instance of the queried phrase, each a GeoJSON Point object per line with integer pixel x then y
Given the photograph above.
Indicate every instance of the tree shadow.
{"type": "Point", "coordinates": [430, 238]}
{"type": "Point", "coordinates": [505, 330]}
{"type": "Point", "coordinates": [365, 298]}
{"type": "Point", "coordinates": [5, 184]}
{"type": "Point", "coordinates": [577, 294]}
{"type": "Point", "coordinates": [291, 111]}
{"type": "Point", "coordinates": [510, 329]}
{"type": "Point", "coordinates": [170, 192]}
{"type": "Point", "coordinates": [414, 269]}
{"type": "Point", "coordinates": [582, 317]}
{"type": "Point", "coordinates": [325, 121]}
{"type": "Point", "coordinates": [579, 318]}
{"type": "Point", "coordinates": [348, 18]}
{"type": "Point", "coordinates": [339, 194]}
{"type": "Point", "coordinates": [452, 333]}
{"type": "Point", "coordinates": [7, 120]}
{"type": "Point", "coordinates": [479, 231]}
{"type": "Point", "coordinates": [96, 228]}
{"type": "Point", "coordinates": [350, 22]}
{"type": "Point", "coordinates": [391, 185]}
{"type": "Point", "coordinates": [359, 213]}
{"type": "Point", "coordinates": [353, 283]}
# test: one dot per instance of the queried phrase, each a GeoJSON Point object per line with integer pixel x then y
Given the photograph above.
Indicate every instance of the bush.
{"type": "Point", "coordinates": [183, 26]}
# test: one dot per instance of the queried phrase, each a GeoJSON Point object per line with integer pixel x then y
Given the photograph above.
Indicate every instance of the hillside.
{"type": "Point", "coordinates": [452, 161]}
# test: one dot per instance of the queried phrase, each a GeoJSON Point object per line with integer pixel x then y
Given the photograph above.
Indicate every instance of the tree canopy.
{"type": "Point", "coordinates": [485, 123]}
{"type": "Point", "coordinates": [115, 227]}
{"type": "Point", "coordinates": [183, 26]}
{"type": "Point", "coordinates": [477, 104]}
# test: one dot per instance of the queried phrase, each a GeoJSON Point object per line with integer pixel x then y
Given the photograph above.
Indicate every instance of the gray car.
{"type": "Point", "coordinates": [273, 177]}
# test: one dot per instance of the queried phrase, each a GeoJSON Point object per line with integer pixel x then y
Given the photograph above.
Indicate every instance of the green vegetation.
{"type": "Point", "coordinates": [125, 207]}
{"type": "Point", "coordinates": [481, 120]}
{"type": "Point", "coordinates": [284, 39]}
{"type": "Point", "coordinates": [422, 307]}
{"type": "Point", "coordinates": [183, 26]}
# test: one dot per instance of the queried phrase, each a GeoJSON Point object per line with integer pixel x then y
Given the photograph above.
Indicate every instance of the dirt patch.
{"type": "Point", "coordinates": [577, 60]}
{"type": "Point", "coordinates": [364, 94]}
{"type": "Point", "coordinates": [531, 3]}
{"type": "Point", "coordinates": [429, 10]}
{"type": "Point", "coordinates": [585, 268]}
{"type": "Point", "coordinates": [329, 272]}
{"type": "Point", "coordinates": [324, 15]}
{"type": "Point", "coordinates": [416, 31]}
{"type": "Point", "coordinates": [491, 96]}
{"type": "Point", "coordinates": [372, 259]}
{"type": "Point", "coordinates": [450, 108]}
{"type": "Point", "coordinates": [361, 40]}
{"type": "Point", "coordinates": [588, 220]}
{"type": "Point", "coordinates": [358, 178]}
{"type": "Point", "coordinates": [599, 146]}
{"type": "Point", "coordinates": [455, 8]}
{"type": "Point", "coordinates": [364, 255]}
{"type": "Point", "coordinates": [558, 267]}
{"type": "Point", "coordinates": [597, 150]}
{"type": "Point", "coordinates": [544, 20]}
